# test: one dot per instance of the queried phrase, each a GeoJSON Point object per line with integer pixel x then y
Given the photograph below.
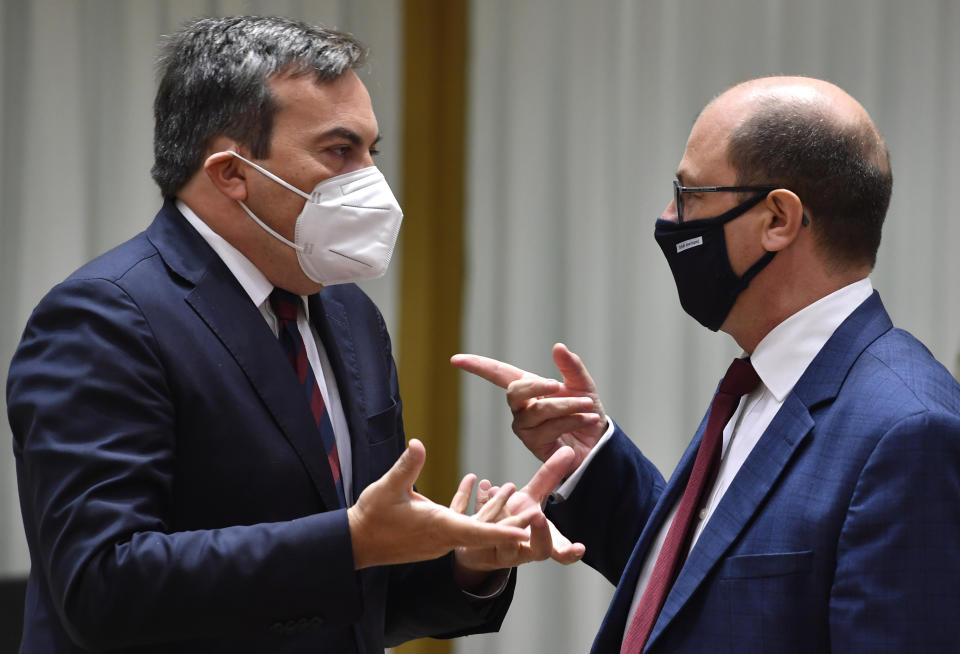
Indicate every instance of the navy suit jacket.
{"type": "Point", "coordinates": [840, 533]}
{"type": "Point", "coordinates": [175, 493]}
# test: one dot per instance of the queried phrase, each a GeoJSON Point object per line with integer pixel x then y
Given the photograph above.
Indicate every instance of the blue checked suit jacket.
{"type": "Point", "coordinates": [175, 494]}
{"type": "Point", "coordinates": [840, 533]}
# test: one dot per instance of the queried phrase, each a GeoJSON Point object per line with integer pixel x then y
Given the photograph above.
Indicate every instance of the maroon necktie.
{"type": "Point", "coordinates": [285, 306]}
{"type": "Point", "coordinates": [740, 379]}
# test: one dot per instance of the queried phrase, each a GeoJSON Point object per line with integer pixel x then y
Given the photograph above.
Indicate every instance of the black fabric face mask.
{"type": "Point", "coordinates": [697, 253]}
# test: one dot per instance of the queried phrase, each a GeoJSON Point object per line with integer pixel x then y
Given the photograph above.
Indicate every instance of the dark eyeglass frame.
{"type": "Point", "coordinates": [679, 190]}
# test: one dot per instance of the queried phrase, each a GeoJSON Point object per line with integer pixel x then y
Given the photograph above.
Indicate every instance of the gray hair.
{"type": "Point", "coordinates": [213, 80]}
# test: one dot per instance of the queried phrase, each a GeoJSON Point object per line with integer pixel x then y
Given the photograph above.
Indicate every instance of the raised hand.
{"type": "Point", "coordinates": [547, 414]}
{"type": "Point", "coordinates": [391, 523]}
{"type": "Point", "coordinates": [509, 506]}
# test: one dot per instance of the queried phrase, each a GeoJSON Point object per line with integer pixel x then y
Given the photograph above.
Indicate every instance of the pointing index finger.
{"type": "Point", "coordinates": [495, 372]}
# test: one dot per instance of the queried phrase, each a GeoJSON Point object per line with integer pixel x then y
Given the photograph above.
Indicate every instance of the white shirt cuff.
{"type": "Point", "coordinates": [493, 587]}
{"type": "Point", "coordinates": [564, 490]}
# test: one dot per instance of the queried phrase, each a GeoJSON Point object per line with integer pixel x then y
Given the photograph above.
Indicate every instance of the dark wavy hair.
{"type": "Point", "coordinates": [840, 171]}
{"type": "Point", "coordinates": [213, 80]}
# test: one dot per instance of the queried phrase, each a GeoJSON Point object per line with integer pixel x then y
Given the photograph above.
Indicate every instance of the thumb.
{"type": "Point", "coordinates": [575, 374]}
{"type": "Point", "coordinates": [407, 468]}
{"type": "Point", "coordinates": [550, 474]}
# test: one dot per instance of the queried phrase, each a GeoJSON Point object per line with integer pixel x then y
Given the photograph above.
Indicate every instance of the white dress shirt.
{"type": "Point", "coordinates": [258, 288]}
{"type": "Point", "coordinates": [780, 360]}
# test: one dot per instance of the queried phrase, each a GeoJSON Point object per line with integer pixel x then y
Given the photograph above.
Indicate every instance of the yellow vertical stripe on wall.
{"type": "Point", "coordinates": [432, 269]}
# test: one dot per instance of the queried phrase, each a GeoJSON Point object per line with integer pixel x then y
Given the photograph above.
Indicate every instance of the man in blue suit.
{"type": "Point", "coordinates": [829, 513]}
{"type": "Point", "coordinates": [209, 449]}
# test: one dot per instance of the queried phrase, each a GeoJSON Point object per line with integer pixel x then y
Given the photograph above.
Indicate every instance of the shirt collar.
{"type": "Point", "coordinates": [254, 283]}
{"type": "Point", "coordinates": [784, 354]}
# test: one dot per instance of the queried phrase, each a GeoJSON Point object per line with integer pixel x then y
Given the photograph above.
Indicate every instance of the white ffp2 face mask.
{"type": "Point", "coordinates": [347, 228]}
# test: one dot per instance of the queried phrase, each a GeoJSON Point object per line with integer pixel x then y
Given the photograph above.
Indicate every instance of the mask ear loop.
{"type": "Point", "coordinates": [265, 226]}
{"type": "Point", "coordinates": [270, 175]}
{"type": "Point", "coordinates": [755, 269]}
{"type": "Point", "coordinates": [762, 262]}
{"type": "Point", "coordinates": [298, 248]}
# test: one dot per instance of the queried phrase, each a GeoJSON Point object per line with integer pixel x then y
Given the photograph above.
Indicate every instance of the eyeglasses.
{"type": "Point", "coordinates": [679, 190]}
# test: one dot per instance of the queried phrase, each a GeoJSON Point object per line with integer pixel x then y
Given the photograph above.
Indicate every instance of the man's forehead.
{"type": "Point", "coordinates": [705, 159]}
{"type": "Point", "coordinates": [341, 103]}
{"type": "Point", "coordinates": [292, 88]}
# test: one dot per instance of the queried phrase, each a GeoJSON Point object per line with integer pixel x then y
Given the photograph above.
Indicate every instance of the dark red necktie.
{"type": "Point", "coordinates": [740, 379]}
{"type": "Point", "coordinates": [285, 306]}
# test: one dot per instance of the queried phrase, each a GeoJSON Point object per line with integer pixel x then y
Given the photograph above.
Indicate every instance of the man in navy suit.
{"type": "Point", "coordinates": [832, 516]}
{"type": "Point", "coordinates": [209, 449]}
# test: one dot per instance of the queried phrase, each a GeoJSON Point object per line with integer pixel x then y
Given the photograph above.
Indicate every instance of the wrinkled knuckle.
{"type": "Point", "coordinates": [534, 411]}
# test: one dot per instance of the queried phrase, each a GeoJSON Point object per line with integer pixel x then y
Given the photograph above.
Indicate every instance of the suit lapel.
{"type": "Point", "coordinates": [333, 326]}
{"type": "Point", "coordinates": [219, 300]}
{"type": "Point", "coordinates": [751, 485]}
{"type": "Point", "coordinates": [618, 615]}
{"type": "Point", "coordinates": [771, 456]}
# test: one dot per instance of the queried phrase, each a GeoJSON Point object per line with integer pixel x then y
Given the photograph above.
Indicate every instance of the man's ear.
{"type": "Point", "coordinates": [228, 174]}
{"type": "Point", "coordinates": [785, 222]}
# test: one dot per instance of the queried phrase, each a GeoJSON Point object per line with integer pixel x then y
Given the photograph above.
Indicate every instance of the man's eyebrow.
{"type": "Point", "coordinates": [345, 133]}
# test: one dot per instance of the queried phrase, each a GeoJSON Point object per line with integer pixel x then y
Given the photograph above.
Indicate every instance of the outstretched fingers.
{"type": "Point", "coordinates": [563, 551]}
{"type": "Point", "coordinates": [550, 474]}
{"type": "Point", "coordinates": [460, 530]}
{"type": "Point", "coordinates": [492, 508]}
{"type": "Point", "coordinates": [461, 499]}
{"type": "Point", "coordinates": [545, 540]}
{"type": "Point", "coordinates": [495, 372]}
